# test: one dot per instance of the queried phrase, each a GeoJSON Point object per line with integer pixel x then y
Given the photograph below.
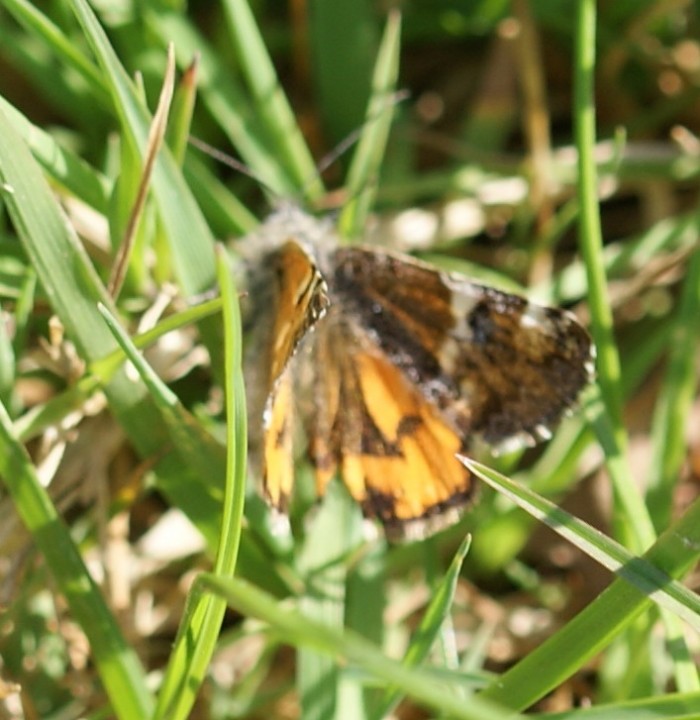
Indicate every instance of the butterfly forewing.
{"type": "Point", "coordinates": [289, 297]}
{"type": "Point", "coordinates": [495, 365]}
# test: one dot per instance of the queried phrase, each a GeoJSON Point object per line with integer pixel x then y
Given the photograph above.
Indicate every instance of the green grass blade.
{"type": "Point", "coordinates": [631, 515]}
{"type": "Point", "coordinates": [347, 647]}
{"type": "Point", "coordinates": [429, 627]}
{"type": "Point", "coordinates": [669, 707]}
{"type": "Point", "coordinates": [675, 400]}
{"type": "Point", "coordinates": [191, 242]}
{"type": "Point", "coordinates": [667, 593]}
{"type": "Point", "coordinates": [226, 214]}
{"type": "Point", "coordinates": [180, 120]}
{"type": "Point", "coordinates": [196, 448]}
{"type": "Point", "coordinates": [615, 609]}
{"type": "Point", "coordinates": [8, 368]}
{"type": "Point", "coordinates": [198, 634]}
{"type": "Point", "coordinates": [334, 533]}
{"type": "Point", "coordinates": [192, 654]}
{"type": "Point", "coordinates": [272, 107]}
{"type": "Point", "coordinates": [121, 672]}
{"type": "Point", "coordinates": [363, 175]}
{"type": "Point", "coordinates": [236, 420]}
{"type": "Point", "coordinates": [73, 287]}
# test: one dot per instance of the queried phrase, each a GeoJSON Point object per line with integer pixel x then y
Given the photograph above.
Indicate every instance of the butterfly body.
{"type": "Point", "coordinates": [397, 368]}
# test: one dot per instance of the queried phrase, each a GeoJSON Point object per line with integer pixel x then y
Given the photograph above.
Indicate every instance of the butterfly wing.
{"type": "Point", "coordinates": [409, 365]}
{"type": "Point", "coordinates": [394, 451]}
{"type": "Point", "coordinates": [495, 366]}
{"type": "Point", "coordinates": [291, 292]}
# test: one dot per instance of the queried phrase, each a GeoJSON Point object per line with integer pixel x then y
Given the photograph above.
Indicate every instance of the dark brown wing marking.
{"type": "Point", "coordinates": [495, 365]}
{"type": "Point", "coordinates": [396, 454]}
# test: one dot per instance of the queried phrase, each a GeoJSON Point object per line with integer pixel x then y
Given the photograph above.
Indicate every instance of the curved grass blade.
{"type": "Point", "coordinates": [632, 516]}
{"type": "Point", "coordinates": [198, 633]}
{"type": "Point", "coordinates": [669, 707]}
{"type": "Point", "coordinates": [348, 648]}
{"type": "Point", "coordinates": [595, 627]}
{"type": "Point", "coordinates": [651, 581]}
{"type": "Point", "coordinates": [55, 253]}
{"type": "Point", "coordinates": [121, 672]}
{"type": "Point", "coordinates": [429, 627]}
{"type": "Point", "coordinates": [675, 400]}
{"type": "Point", "coordinates": [196, 641]}
{"type": "Point", "coordinates": [191, 242]}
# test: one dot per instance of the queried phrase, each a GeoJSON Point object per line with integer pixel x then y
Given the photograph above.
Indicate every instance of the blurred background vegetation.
{"type": "Point", "coordinates": [479, 176]}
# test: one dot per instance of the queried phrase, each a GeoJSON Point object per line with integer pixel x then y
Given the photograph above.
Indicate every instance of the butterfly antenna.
{"type": "Point", "coordinates": [347, 142]}
{"type": "Point", "coordinates": [230, 162]}
{"type": "Point", "coordinates": [326, 161]}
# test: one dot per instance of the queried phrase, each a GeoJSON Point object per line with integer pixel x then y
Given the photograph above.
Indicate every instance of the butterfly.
{"type": "Point", "coordinates": [394, 367]}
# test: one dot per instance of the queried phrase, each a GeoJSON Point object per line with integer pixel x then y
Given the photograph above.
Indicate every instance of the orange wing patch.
{"type": "Point", "coordinates": [397, 455]}
{"type": "Point", "coordinates": [298, 295]}
{"type": "Point", "coordinates": [301, 301]}
{"type": "Point", "coordinates": [278, 457]}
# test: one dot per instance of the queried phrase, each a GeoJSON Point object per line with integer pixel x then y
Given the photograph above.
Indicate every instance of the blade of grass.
{"type": "Point", "coordinates": [614, 610]}
{"type": "Point", "coordinates": [189, 439]}
{"type": "Point", "coordinates": [180, 120]}
{"type": "Point", "coordinates": [671, 414]}
{"type": "Point", "coordinates": [227, 215]}
{"type": "Point", "coordinates": [631, 515]}
{"type": "Point", "coordinates": [121, 672]}
{"type": "Point", "coordinates": [334, 533]}
{"type": "Point", "coordinates": [72, 287]}
{"type": "Point", "coordinates": [363, 174]}
{"type": "Point", "coordinates": [198, 633]}
{"type": "Point", "coordinates": [429, 627]}
{"type": "Point", "coordinates": [8, 368]}
{"type": "Point", "coordinates": [675, 400]}
{"type": "Point", "coordinates": [156, 133]}
{"type": "Point", "coordinates": [191, 242]}
{"type": "Point", "coordinates": [347, 647]}
{"type": "Point", "coordinates": [670, 707]}
{"type": "Point", "coordinates": [666, 592]}
{"type": "Point", "coordinates": [272, 107]}
{"type": "Point", "coordinates": [192, 654]}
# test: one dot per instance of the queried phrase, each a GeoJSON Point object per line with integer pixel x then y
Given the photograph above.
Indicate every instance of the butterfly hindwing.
{"type": "Point", "coordinates": [395, 453]}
